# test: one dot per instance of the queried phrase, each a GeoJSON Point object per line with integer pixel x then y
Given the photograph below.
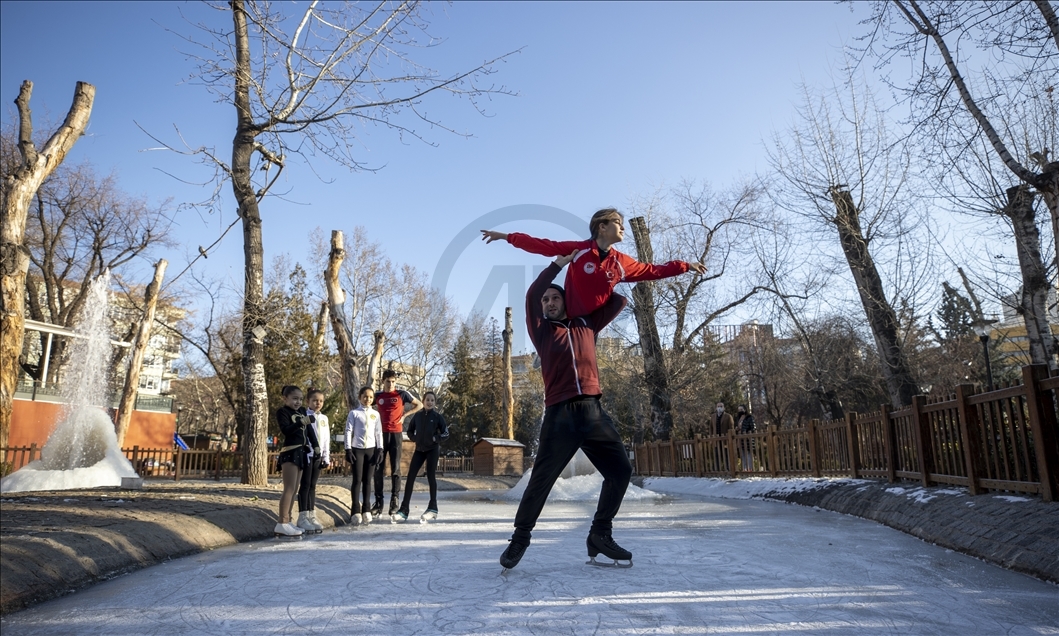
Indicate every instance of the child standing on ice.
{"type": "Point", "coordinates": [317, 461]}
{"type": "Point", "coordinates": [427, 428]}
{"type": "Point", "coordinates": [299, 441]}
{"type": "Point", "coordinates": [363, 452]}
{"type": "Point", "coordinates": [596, 268]}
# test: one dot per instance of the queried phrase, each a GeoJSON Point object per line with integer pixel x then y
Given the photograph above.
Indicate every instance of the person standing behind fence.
{"type": "Point", "coordinates": [317, 461]}
{"type": "Point", "coordinates": [391, 403]}
{"type": "Point", "coordinates": [363, 451]}
{"type": "Point", "coordinates": [299, 440]}
{"type": "Point", "coordinates": [744, 425]}
{"type": "Point", "coordinates": [722, 424]}
{"type": "Point", "coordinates": [426, 428]}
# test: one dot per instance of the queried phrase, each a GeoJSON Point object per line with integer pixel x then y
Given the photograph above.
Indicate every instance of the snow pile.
{"type": "Point", "coordinates": [579, 481]}
{"type": "Point", "coordinates": [86, 437]}
{"type": "Point", "coordinates": [749, 488]}
{"type": "Point", "coordinates": [579, 488]}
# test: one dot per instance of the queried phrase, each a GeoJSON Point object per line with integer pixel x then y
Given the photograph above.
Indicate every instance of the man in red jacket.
{"type": "Point", "coordinates": [573, 417]}
{"type": "Point", "coordinates": [596, 268]}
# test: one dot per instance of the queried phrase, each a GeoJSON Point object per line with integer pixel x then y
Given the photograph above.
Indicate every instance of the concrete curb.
{"type": "Point", "coordinates": [52, 544]}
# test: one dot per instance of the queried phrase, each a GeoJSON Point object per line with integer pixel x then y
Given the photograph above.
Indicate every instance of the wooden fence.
{"type": "Point", "coordinates": [999, 440]}
{"type": "Point", "coordinates": [179, 464]}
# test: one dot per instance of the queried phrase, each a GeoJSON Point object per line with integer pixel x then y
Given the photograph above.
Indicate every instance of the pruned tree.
{"type": "Point", "coordinates": [839, 168]}
{"type": "Point", "coordinates": [139, 345]}
{"type": "Point", "coordinates": [20, 185]}
{"type": "Point", "coordinates": [301, 85]}
{"type": "Point", "coordinates": [982, 105]}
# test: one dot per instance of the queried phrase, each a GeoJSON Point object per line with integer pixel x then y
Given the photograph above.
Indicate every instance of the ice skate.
{"type": "Point", "coordinates": [597, 543]}
{"type": "Point", "coordinates": [512, 555]}
{"type": "Point", "coordinates": [354, 519]}
{"type": "Point", "coordinates": [430, 515]}
{"type": "Point", "coordinates": [305, 524]}
{"type": "Point", "coordinates": [376, 509]}
{"type": "Point", "coordinates": [394, 505]}
{"type": "Point", "coordinates": [366, 518]}
{"type": "Point", "coordinates": [317, 526]}
{"type": "Point", "coordinates": [399, 517]}
{"type": "Point", "coordinates": [288, 531]}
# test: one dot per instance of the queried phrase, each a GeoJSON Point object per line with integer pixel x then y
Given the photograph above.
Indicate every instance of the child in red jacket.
{"type": "Point", "coordinates": [597, 268]}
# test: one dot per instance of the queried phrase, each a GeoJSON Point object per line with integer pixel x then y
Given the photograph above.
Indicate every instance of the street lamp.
{"type": "Point", "coordinates": [983, 327]}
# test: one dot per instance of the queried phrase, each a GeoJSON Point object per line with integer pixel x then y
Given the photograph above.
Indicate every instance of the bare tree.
{"type": "Point", "coordinates": [999, 119]}
{"type": "Point", "coordinates": [19, 188]}
{"type": "Point", "coordinates": [840, 168]}
{"type": "Point", "coordinates": [304, 91]}
{"type": "Point", "coordinates": [139, 346]}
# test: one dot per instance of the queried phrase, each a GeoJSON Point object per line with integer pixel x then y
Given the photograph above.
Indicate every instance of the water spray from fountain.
{"type": "Point", "coordinates": [82, 451]}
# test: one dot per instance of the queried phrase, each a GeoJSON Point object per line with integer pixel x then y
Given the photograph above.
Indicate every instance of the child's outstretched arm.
{"type": "Point", "coordinates": [533, 245]}
{"type": "Point", "coordinates": [636, 271]}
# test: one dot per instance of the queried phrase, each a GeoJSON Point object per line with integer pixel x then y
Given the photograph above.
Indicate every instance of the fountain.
{"type": "Point", "coordinates": [82, 451]}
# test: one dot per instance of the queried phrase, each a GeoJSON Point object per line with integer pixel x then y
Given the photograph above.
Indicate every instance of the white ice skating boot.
{"type": "Point", "coordinates": [288, 530]}
{"type": "Point", "coordinates": [366, 518]}
{"type": "Point", "coordinates": [305, 524]}
{"type": "Point", "coordinates": [317, 526]}
{"type": "Point", "coordinates": [430, 515]}
{"type": "Point", "coordinates": [354, 520]}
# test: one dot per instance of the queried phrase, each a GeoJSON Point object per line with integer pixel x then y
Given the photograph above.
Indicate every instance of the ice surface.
{"type": "Point", "coordinates": [702, 566]}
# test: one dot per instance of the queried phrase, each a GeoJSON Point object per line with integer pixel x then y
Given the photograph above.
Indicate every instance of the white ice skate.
{"type": "Point", "coordinates": [366, 518]}
{"type": "Point", "coordinates": [317, 526]}
{"type": "Point", "coordinates": [288, 531]}
{"type": "Point", "coordinates": [354, 520]}
{"type": "Point", "coordinates": [429, 515]}
{"type": "Point", "coordinates": [398, 517]}
{"type": "Point", "coordinates": [306, 524]}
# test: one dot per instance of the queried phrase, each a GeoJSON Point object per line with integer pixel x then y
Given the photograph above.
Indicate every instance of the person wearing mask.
{"type": "Point", "coordinates": [744, 425]}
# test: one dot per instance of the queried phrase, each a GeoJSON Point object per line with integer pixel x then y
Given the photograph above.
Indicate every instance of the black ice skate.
{"type": "Point", "coordinates": [512, 555]}
{"type": "Point", "coordinates": [376, 510]}
{"type": "Point", "coordinates": [597, 543]}
{"type": "Point", "coordinates": [394, 506]}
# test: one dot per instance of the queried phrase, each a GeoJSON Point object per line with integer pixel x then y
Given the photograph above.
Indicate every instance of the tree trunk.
{"type": "Point", "coordinates": [654, 364]}
{"type": "Point", "coordinates": [347, 353]}
{"type": "Point", "coordinates": [139, 346]}
{"type": "Point", "coordinates": [1033, 304]}
{"type": "Point", "coordinates": [378, 338]}
{"type": "Point", "coordinates": [318, 345]}
{"type": "Point", "coordinates": [19, 188]}
{"type": "Point", "coordinates": [255, 449]}
{"type": "Point", "coordinates": [881, 317]}
{"type": "Point", "coordinates": [509, 380]}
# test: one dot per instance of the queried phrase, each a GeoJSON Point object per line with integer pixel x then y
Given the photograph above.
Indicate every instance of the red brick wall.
{"type": "Point", "coordinates": [32, 423]}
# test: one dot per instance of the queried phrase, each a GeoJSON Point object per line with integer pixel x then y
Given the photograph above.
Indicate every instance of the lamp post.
{"type": "Point", "coordinates": [983, 328]}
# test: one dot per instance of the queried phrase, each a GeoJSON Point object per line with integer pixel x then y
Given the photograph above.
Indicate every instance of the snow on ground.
{"type": "Point", "coordinates": [578, 488]}
{"type": "Point", "coordinates": [702, 566]}
{"type": "Point", "coordinates": [748, 488]}
{"type": "Point", "coordinates": [33, 476]}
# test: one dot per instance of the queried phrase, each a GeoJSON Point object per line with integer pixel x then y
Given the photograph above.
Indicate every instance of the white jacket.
{"type": "Point", "coordinates": [323, 433]}
{"type": "Point", "coordinates": [363, 428]}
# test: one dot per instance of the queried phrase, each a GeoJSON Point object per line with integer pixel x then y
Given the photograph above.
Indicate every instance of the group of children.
{"type": "Point", "coordinates": [374, 433]}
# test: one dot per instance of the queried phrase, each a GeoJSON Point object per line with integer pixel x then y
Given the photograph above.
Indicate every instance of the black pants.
{"type": "Point", "coordinates": [361, 479]}
{"type": "Point", "coordinates": [307, 489]}
{"type": "Point", "coordinates": [579, 423]}
{"type": "Point", "coordinates": [431, 459]}
{"type": "Point", "coordinates": [391, 448]}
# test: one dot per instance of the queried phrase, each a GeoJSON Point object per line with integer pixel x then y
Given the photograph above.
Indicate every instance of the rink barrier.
{"type": "Point", "coordinates": [1004, 439]}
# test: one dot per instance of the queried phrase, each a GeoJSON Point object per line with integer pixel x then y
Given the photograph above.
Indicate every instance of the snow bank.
{"type": "Point", "coordinates": [33, 476]}
{"type": "Point", "coordinates": [748, 488]}
{"type": "Point", "coordinates": [579, 488]}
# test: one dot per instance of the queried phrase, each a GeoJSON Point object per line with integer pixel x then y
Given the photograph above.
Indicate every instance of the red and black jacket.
{"type": "Point", "coordinates": [589, 280]}
{"type": "Point", "coordinates": [567, 348]}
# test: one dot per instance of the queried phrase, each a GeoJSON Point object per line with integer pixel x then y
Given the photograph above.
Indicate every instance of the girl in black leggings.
{"type": "Point", "coordinates": [363, 451]}
{"type": "Point", "coordinates": [427, 428]}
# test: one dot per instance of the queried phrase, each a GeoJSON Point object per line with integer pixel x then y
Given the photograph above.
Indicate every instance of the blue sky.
{"type": "Point", "coordinates": [614, 101]}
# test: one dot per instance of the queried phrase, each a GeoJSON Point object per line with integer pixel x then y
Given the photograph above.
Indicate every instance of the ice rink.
{"type": "Point", "coordinates": [702, 566]}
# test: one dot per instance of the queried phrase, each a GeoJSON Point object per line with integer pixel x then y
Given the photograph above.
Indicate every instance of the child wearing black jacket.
{"type": "Point", "coordinates": [426, 428]}
{"type": "Point", "coordinates": [299, 439]}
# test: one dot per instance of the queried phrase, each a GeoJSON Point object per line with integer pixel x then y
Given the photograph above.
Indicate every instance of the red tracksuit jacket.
{"type": "Point", "coordinates": [590, 282]}
{"type": "Point", "coordinates": [567, 348]}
